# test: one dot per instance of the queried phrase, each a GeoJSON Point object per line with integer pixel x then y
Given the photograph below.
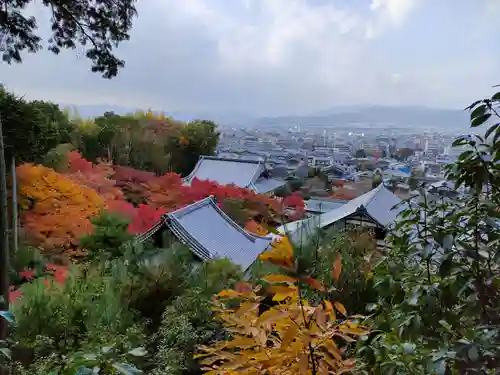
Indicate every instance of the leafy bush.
{"type": "Point", "coordinates": [357, 250]}
{"type": "Point", "coordinates": [55, 320]}
{"type": "Point", "coordinates": [290, 336]}
{"type": "Point", "coordinates": [107, 240]}
{"type": "Point", "coordinates": [160, 278]}
{"type": "Point", "coordinates": [439, 287]}
{"type": "Point", "coordinates": [188, 321]}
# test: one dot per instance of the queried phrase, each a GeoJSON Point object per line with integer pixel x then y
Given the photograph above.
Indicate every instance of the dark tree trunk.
{"type": "Point", "coordinates": [4, 237]}
{"type": "Point", "coordinates": [4, 245]}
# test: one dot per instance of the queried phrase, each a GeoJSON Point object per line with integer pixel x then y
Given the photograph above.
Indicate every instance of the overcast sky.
{"type": "Point", "coordinates": [268, 57]}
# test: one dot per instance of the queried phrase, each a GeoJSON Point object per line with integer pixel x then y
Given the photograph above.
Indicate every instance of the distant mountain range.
{"type": "Point", "coordinates": [372, 115]}
{"type": "Point", "coordinates": [386, 116]}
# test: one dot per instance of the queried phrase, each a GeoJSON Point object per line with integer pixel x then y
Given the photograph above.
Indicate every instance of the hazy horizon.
{"type": "Point", "coordinates": [281, 57]}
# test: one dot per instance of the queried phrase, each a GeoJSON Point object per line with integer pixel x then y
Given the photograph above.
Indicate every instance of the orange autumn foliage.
{"type": "Point", "coordinates": [56, 209]}
{"type": "Point", "coordinates": [253, 227]}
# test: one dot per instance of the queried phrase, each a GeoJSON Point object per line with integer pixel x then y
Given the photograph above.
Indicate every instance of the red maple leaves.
{"type": "Point", "coordinates": [142, 197]}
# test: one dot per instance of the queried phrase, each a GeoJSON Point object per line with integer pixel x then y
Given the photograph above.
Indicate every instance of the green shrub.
{"type": "Point", "coordinates": [25, 258]}
{"type": "Point", "coordinates": [84, 312]}
{"type": "Point", "coordinates": [439, 286]}
{"type": "Point", "coordinates": [160, 278]}
{"type": "Point", "coordinates": [188, 321]}
{"type": "Point", "coordinates": [108, 238]}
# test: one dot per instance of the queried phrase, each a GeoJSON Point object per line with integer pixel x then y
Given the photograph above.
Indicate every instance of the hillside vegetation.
{"type": "Point", "coordinates": [87, 299]}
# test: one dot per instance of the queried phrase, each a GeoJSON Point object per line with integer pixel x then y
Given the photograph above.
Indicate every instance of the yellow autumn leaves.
{"type": "Point", "coordinates": [281, 253]}
{"type": "Point", "coordinates": [289, 337]}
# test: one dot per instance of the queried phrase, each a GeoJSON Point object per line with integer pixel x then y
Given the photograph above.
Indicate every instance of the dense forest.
{"type": "Point", "coordinates": [85, 298]}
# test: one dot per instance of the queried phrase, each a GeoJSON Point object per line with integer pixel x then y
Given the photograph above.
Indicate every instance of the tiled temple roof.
{"type": "Point", "coordinates": [377, 204]}
{"type": "Point", "coordinates": [245, 173]}
{"type": "Point", "coordinates": [210, 233]}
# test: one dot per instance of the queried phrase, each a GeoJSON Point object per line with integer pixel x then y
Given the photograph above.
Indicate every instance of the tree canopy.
{"type": "Point", "coordinates": [98, 26]}
{"type": "Point", "coordinates": [31, 129]}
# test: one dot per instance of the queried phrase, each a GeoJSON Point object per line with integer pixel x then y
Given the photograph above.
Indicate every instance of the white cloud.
{"type": "Point", "coordinates": [268, 57]}
{"type": "Point", "coordinates": [389, 14]}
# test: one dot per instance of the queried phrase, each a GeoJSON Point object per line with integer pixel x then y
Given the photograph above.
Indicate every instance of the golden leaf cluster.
{"type": "Point", "coordinates": [57, 208]}
{"type": "Point", "coordinates": [280, 254]}
{"type": "Point", "coordinates": [290, 337]}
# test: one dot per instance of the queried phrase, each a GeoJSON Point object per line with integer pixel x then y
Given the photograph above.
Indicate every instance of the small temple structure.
{"type": "Point", "coordinates": [374, 209]}
{"type": "Point", "coordinates": [209, 233]}
{"type": "Point", "coordinates": [246, 173]}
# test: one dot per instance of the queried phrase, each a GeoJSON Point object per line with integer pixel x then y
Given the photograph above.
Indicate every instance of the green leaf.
{"type": "Point", "coordinates": [472, 105]}
{"type": "Point", "coordinates": [138, 352]}
{"type": "Point", "coordinates": [415, 296]}
{"type": "Point", "coordinates": [446, 325]}
{"type": "Point", "coordinates": [126, 369]}
{"type": "Point", "coordinates": [478, 111]}
{"type": "Point", "coordinates": [473, 354]}
{"type": "Point", "coordinates": [496, 96]}
{"type": "Point", "coordinates": [5, 352]}
{"type": "Point", "coordinates": [446, 265]}
{"type": "Point", "coordinates": [491, 130]}
{"type": "Point", "coordinates": [106, 349]}
{"type": "Point", "coordinates": [480, 120]}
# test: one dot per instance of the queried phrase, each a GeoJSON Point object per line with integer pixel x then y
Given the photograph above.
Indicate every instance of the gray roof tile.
{"type": "Point", "coordinates": [323, 205]}
{"type": "Point", "coordinates": [210, 233]}
{"type": "Point", "coordinates": [378, 203]}
{"type": "Point", "coordinates": [265, 185]}
{"type": "Point", "coordinates": [225, 171]}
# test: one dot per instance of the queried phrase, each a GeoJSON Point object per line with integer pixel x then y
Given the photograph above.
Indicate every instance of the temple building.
{"type": "Point", "coordinates": [209, 233]}
{"type": "Point", "coordinates": [246, 173]}
{"type": "Point", "coordinates": [374, 209]}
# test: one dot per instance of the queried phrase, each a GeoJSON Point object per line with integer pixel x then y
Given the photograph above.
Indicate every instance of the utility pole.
{"type": "Point", "coordinates": [4, 238]}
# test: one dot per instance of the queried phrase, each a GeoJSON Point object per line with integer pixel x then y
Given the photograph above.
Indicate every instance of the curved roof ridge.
{"type": "Point", "coordinates": [190, 207]}
{"type": "Point", "coordinates": [150, 232]}
{"type": "Point", "coordinates": [226, 158]}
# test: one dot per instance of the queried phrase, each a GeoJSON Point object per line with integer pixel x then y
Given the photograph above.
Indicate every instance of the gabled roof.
{"type": "Point", "coordinates": [322, 205]}
{"type": "Point", "coordinates": [377, 204]}
{"type": "Point", "coordinates": [265, 185]}
{"type": "Point", "coordinates": [245, 173]}
{"type": "Point", "coordinates": [225, 171]}
{"type": "Point", "coordinates": [210, 233]}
